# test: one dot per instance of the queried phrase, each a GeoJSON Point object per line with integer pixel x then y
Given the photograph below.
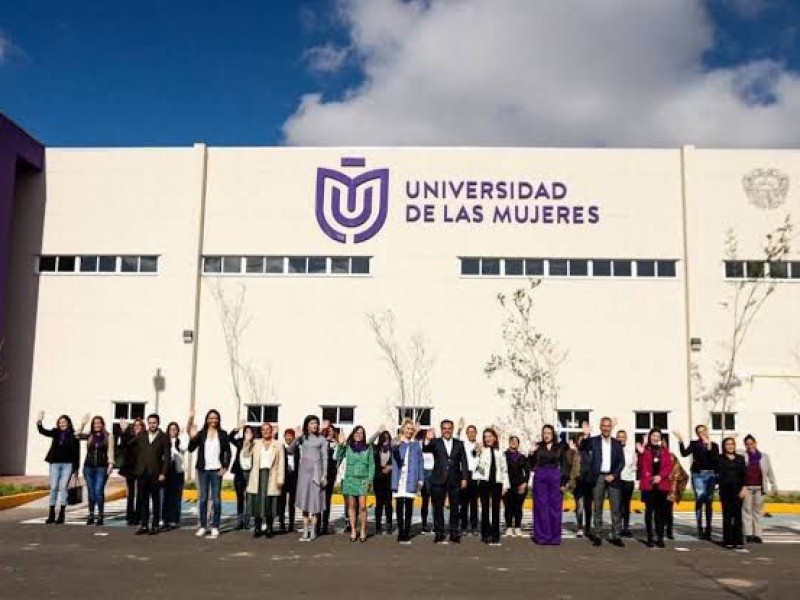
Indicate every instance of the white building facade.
{"type": "Point", "coordinates": [128, 265]}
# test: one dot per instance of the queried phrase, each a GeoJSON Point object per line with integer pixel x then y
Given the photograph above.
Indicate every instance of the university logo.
{"type": "Point", "coordinates": [352, 208]}
{"type": "Point", "coordinates": [766, 188]}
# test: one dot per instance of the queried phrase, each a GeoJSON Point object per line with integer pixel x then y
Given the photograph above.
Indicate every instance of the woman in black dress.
{"type": "Point", "coordinates": [731, 471]}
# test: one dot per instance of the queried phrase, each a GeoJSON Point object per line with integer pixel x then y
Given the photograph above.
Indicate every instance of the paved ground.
{"type": "Point", "coordinates": [38, 561]}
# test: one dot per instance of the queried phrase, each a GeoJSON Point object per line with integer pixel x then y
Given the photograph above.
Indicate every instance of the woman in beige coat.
{"type": "Point", "coordinates": [266, 479]}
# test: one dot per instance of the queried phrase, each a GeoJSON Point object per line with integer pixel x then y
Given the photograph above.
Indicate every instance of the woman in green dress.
{"type": "Point", "coordinates": [358, 474]}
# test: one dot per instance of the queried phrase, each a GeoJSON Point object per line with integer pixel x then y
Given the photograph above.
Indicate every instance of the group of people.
{"type": "Point", "coordinates": [273, 478]}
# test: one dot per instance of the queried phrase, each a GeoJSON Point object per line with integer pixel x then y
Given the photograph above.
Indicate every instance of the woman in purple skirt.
{"type": "Point", "coordinates": [550, 465]}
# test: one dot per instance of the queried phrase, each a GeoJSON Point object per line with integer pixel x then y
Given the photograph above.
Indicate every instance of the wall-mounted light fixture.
{"type": "Point", "coordinates": [188, 336]}
{"type": "Point", "coordinates": [696, 344]}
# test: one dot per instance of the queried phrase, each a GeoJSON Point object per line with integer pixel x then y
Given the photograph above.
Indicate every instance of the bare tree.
{"type": "Point", "coordinates": [410, 367]}
{"type": "Point", "coordinates": [744, 303]}
{"type": "Point", "coordinates": [234, 319]}
{"type": "Point", "coordinates": [529, 363]}
{"type": "Point", "coordinates": [261, 388]}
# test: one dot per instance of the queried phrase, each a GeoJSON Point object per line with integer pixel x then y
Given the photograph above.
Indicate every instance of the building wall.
{"type": "Point", "coordinates": [102, 338]}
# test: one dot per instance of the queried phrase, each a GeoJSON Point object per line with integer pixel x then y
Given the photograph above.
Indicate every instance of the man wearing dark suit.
{"type": "Point", "coordinates": [291, 460]}
{"type": "Point", "coordinates": [607, 462]}
{"type": "Point", "coordinates": [152, 449]}
{"type": "Point", "coordinates": [449, 477]}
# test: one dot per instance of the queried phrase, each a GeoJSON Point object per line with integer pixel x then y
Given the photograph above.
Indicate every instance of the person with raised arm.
{"type": "Point", "coordinates": [469, 497]}
{"type": "Point", "coordinates": [732, 472]}
{"type": "Point", "coordinates": [213, 460]}
{"type": "Point", "coordinates": [289, 490]}
{"type": "Point", "coordinates": [381, 444]}
{"type": "Point", "coordinates": [607, 462]}
{"type": "Point", "coordinates": [550, 466]}
{"type": "Point", "coordinates": [97, 466]}
{"type": "Point", "coordinates": [491, 475]}
{"type": "Point", "coordinates": [311, 475]}
{"type": "Point", "coordinates": [127, 468]}
{"type": "Point", "coordinates": [519, 475]}
{"type": "Point", "coordinates": [759, 472]}
{"type": "Point", "coordinates": [241, 475]}
{"type": "Point", "coordinates": [427, 469]}
{"type": "Point", "coordinates": [63, 457]}
{"type": "Point", "coordinates": [655, 467]}
{"type": "Point", "coordinates": [449, 478]}
{"type": "Point", "coordinates": [705, 463]}
{"type": "Point", "coordinates": [330, 433]}
{"type": "Point", "coordinates": [627, 481]}
{"type": "Point", "coordinates": [266, 475]}
{"type": "Point", "coordinates": [176, 477]}
{"type": "Point", "coordinates": [408, 474]}
{"type": "Point", "coordinates": [358, 476]}
{"type": "Point", "coordinates": [152, 461]}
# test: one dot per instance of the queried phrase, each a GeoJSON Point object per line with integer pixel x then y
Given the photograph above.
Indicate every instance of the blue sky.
{"type": "Point", "coordinates": [152, 72]}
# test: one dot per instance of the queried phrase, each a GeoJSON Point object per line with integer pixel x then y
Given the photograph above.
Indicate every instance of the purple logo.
{"type": "Point", "coordinates": [354, 207]}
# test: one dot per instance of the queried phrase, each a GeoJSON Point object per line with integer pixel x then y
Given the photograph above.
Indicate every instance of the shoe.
{"type": "Point", "coordinates": [617, 542]}
{"type": "Point", "coordinates": [484, 540]}
{"type": "Point", "coordinates": [474, 532]}
{"type": "Point", "coordinates": [626, 533]}
{"type": "Point", "coordinates": [597, 541]}
{"type": "Point", "coordinates": [100, 522]}
{"type": "Point", "coordinates": [495, 542]}
{"type": "Point", "coordinates": [729, 546]}
{"type": "Point", "coordinates": [90, 521]}
{"type": "Point", "coordinates": [757, 540]}
{"type": "Point", "coordinates": [510, 532]}
{"type": "Point", "coordinates": [579, 533]}
{"type": "Point", "coordinates": [362, 538]}
{"type": "Point", "coordinates": [239, 525]}
{"type": "Point", "coordinates": [378, 531]}
{"type": "Point", "coordinates": [51, 517]}
{"type": "Point", "coordinates": [670, 535]}
{"type": "Point", "coordinates": [707, 534]}
{"type": "Point", "coordinates": [660, 543]}
{"type": "Point", "coordinates": [153, 531]}
{"type": "Point", "coordinates": [438, 538]}
{"type": "Point", "coordinates": [312, 536]}
{"type": "Point", "coordinates": [353, 539]}
{"type": "Point", "coordinates": [405, 542]}
{"type": "Point", "coordinates": [282, 528]}
{"type": "Point", "coordinates": [214, 533]}
{"type": "Point", "coordinates": [141, 531]}
{"type": "Point", "coordinates": [456, 539]}
{"type": "Point", "coordinates": [201, 532]}
{"type": "Point", "coordinates": [60, 519]}
{"type": "Point", "coordinates": [738, 547]}
{"type": "Point", "coordinates": [650, 544]}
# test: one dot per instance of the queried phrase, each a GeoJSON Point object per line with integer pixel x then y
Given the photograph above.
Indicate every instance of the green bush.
{"type": "Point", "coordinates": [9, 489]}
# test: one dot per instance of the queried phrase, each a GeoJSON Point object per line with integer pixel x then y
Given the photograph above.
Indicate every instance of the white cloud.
{"type": "Point", "coordinates": [326, 58]}
{"type": "Point", "coordinates": [566, 73]}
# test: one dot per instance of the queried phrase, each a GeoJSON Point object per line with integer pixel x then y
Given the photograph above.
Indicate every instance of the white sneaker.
{"type": "Point", "coordinates": [303, 536]}
{"type": "Point", "coordinates": [520, 533]}
{"type": "Point", "coordinates": [200, 532]}
{"type": "Point", "coordinates": [214, 533]}
{"type": "Point", "coordinates": [510, 532]}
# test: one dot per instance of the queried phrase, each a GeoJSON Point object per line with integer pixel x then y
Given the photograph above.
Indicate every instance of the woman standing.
{"type": "Point", "coordinates": [519, 473]}
{"type": "Point", "coordinates": [213, 460]}
{"type": "Point", "coordinates": [127, 468]}
{"type": "Point", "coordinates": [63, 457]}
{"type": "Point", "coordinates": [427, 465]}
{"type": "Point", "coordinates": [311, 476]}
{"type": "Point", "coordinates": [550, 467]}
{"type": "Point", "coordinates": [732, 491]}
{"type": "Point", "coordinates": [241, 476]}
{"type": "Point", "coordinates": [705, 463]}
{"type": "Point", "coordinates": [491, 473]}
{"type": "Point", "coordinates": [677, 484]}
{"type": "Point", "coordinates": [176, 477]}
{"type": "Point", "coordinates": [358, 476]}
{"type": "Point", "coordinates": [655, 466]}
{"type": "Point", "coordinates": [580, 483]}
{"type": "Point", "coordinates": [382, 485]}
{"type": "Point", "coordinates": [408, 474]}
{"type": "Point", "coordinates": [265, 461]}
{"type": "Point", "coordinates": [97, 465]}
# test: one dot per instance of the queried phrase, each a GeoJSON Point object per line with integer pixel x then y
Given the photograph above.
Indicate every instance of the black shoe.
{"type": "Point", "coordinates": [90, 520]}
{"type": "Point", "coordinates": [99, 522]}
{"type": "Point", "coordinates": [60, 519]}
{"type": "Point", "coordinates": [597, 541]}
{"type": "Point", "coordinates": [379, 531]}
{"type": "Point", "coordinates": [649, 543]}
{"type": "Point", "coordinates": [141, 531]}
{"type": "Point", "coordinates": [670, 535]}
{"type": "Point", "coordinates": [707, 534]}
{"type": "Point", "coordinates": [282, 527]}
{"type": "Point", "coordinates": [438, 538]}
{"type": "Point", "coordinates": [757, 540]}
{"type": "Point", "coordinates": [617, 542]}
{"type": "Point", "coordinates": [660, 543]}
{"type": "Point", "coordinates": [239, 525]}
{"type": "Point", "coordinates": [484, 540]}
{"type": "Point", "coordinates": [153, 531]}
{"type": "Point", "coordinates": [456, 539]}
{"type": "Point", "coordinates": [51, 517]}
{"type": "Point", "coordinates": [626, 533]}
{"type": "Point", "coordinates": [257, 529]}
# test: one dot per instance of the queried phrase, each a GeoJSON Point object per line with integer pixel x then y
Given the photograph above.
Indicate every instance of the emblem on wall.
{"type": "Point", "coordinates": [766, 188]}
{"type": "Point", "coordinates": [352, 208]}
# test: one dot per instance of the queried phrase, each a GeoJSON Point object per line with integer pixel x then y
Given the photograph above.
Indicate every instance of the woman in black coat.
{"type": "Point", "coordinates": [126, 455]}
{"type": "Point", "coordinates": [732, 472]}
{"type": "Point", "coordinates": [63, 457]}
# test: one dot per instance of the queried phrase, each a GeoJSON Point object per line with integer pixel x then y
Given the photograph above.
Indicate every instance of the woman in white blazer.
{"type": "Point", "coordinates": [491, 473]}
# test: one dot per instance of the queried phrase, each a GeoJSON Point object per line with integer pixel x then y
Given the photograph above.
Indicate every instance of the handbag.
{"type": "Point", "coordinates": [75, 491]}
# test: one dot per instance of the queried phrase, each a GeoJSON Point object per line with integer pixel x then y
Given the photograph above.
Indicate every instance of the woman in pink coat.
{"type": "Point", "coordinates": [655, 465]}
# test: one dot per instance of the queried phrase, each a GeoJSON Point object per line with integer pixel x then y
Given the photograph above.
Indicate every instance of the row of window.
{"type": "Point", "coordinates": [567, 267]}
{"type": "Point", "coordinates": [278, 265]}
{"type": "Point", "coordinates": [759, 269]}
{"type": "Point", "coordinates": [86, 265]}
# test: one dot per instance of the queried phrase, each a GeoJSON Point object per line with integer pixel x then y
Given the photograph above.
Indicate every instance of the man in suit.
{"type": "Point", "coordinates": [291, 457]}
{"type": "Point", "coordinates": [152, 449]}
{"type": "Point", "coordinates": [607, 462]}
{"type": "Point", "coordinates": [449, 477]}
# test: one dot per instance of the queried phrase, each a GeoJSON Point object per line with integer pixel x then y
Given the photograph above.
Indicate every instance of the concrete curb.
{"type": "Point", "coordinates": [15, 500]}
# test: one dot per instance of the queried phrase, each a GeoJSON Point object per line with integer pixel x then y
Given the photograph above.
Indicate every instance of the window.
{"type": "Point", "coordinates": [787, 422]}
{"type": "Point", "coordinates": [514, 267]}
{"type": "Point", "coordinates": [212, 264]}
{"type": "Point", "coordinates": [795, 269]}
{"type": "Point", "coordinates": [66, 264]}
{"type": "Point", "coordinates": [339, 415]}
{"type": "Point", "coordinates": [578, 267]}
{"type": "Point", "coordinates": [254, 264]}
{"type": "Point", "coordinates": [89, 264]}
{"type": "Point", "coordinates": [534, 267]}
{"type": "Point", "coordinates": [47, 264]}
{"type": "Point", "coordinates": [148, 264]}
{"type": "Point", "coordinates": [557, 267]}
{"type": "Point", "coordinates": [601, 268]}
{"type": "Point", "coordinates": [274, 264]}
{"type": "Point", "coordinates": [645, 268]}
{"type": "Point", "coordinates": [359, 265]}
{"type": "Point", "coordinates": [298, 264]}
{"type": "Point", "coordinates": [317, 264]}
{"type": "Point", "coordinates": [93, 264]}
{"type": "Point", "coordinates": [723, 421]}
{"type": "Point", "coordinates": [129, 264]}
{"type": "Point", "coordinates": [666, 268]}
{"type": "Point", "coordinates": [128, 411]}
{"type": "Point", "coordinates": [231, 264]}
{"type": "Point", "coordinates": [622, 268]}
{"type": "Point", "coordinates": [734, 269]}
{"type": "Point", "coordinates": [754, 269]}
{"type": "Point", "coordinates": [569, 422]}
{"type": "Point", "coordinates": [470, 266]}
{"type": "Point", "coordinates": [490, 266]}
{"type": "Point", "coordinates": [340, 265]}
{"type": "Point", "coordinates": [262, 413]}
{"type": "Point", "coordinates": [779, 270]}
{"type": "Point", "coordinates": [107, 264]}
{"type": "Point", "coordinates": [418, 414]}
{"type": "Point", "coordinates": [645, 421]}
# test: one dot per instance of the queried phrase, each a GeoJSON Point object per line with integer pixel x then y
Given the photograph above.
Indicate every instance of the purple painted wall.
{"type": "Point", "coordinates": [18, 151]}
